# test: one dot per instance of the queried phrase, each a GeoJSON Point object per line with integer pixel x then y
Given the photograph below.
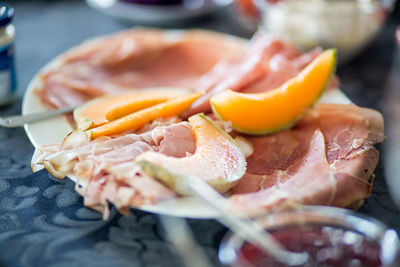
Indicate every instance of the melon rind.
{"type": "Point", "coordinates": [82, 121]}
{"type": "Point", "coordinates": [171, 171]}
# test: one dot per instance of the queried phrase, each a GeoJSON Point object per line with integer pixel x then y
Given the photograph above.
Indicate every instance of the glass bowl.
{"type": "Point", "coordinates": [331, 235]}
{"type": "Point", "coordinates": [348, 25]}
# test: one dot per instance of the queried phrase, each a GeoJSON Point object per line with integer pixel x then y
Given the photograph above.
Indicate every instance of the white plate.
{"type": "Point", "coordinates": [54, 131]}
{"type": "Point", "coordinates": [157, 15]}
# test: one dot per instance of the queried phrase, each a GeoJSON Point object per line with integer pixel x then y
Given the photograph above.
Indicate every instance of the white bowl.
{"type": "Point", "coordinates": [348, 25]}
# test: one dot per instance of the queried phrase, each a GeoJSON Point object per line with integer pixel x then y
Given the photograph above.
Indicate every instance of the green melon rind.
{"type": "Point", "coordinates": [172, 180]}
{"type": "Point", "coordinates": [225, 134]}
{"type": "Point", "coordinates": [165, 176]}
{"type": "Point", "coordinates": [231, 140]}
{"type": "Point", "coordinates": [294, 121]}
{"type": "Point", "coordinates": [83, 122]}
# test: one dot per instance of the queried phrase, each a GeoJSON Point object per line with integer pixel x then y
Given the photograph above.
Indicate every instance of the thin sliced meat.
{"type": "Point", "coordinates": [150, 189]}
{"type": "Point", "coordinates": [174, 142]}
{"type": "Point", "coordinates": [241, 70]}
{"type": "Point", "coordinates": [140, 58]}
{"type": "Point", "coordinates": [304, 166]}
{"type": "Point", "coordinates": [362, 129]}
{"type": "Point", "coordinates": [125, 47]}
{"type": "Point", "coordinates": [104, 167]}
{"type": "Point", "coordinates": [281, 69]}
{"type": "Point", "coordinates": [266, 64]}
{"type": "Point", "coordinates": [124, 186]}
{"type": "Point", "coordinates": [132, 60]}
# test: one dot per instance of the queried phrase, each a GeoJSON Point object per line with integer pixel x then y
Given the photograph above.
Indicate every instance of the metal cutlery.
{"type": "Point", "coordinates": [243, 226]}
{"type": "Point", "coordinates": [20, 120]}
{"type": "Point", "coordinates": [182, 240]}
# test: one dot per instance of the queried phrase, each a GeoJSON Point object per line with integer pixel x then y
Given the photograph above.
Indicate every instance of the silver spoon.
{"type": "Point", "coordinates": [20, 120]}
{"type": "Point", "coordinates": [243, 226]}
{"type": "Point", "coordinates": [182, 239]}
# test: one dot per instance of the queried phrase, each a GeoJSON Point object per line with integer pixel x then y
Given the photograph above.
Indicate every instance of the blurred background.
{"type": "Point", "coordinates": [365, 34]}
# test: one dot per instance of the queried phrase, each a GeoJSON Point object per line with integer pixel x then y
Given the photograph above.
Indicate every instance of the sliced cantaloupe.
{"type": "Point", "coordinates": [217, 160]}
{"type": "Point", "coordinates": [138, 119]}
{"type": "Point", "coordinates": [274, 110]}
{"type": "Point", "coordinates": [104, 109]}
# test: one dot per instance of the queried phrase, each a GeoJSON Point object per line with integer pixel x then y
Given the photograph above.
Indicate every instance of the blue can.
{"type": "Point", "coordinates": [8, 79]}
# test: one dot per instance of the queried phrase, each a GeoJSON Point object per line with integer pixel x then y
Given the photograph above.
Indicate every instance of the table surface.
{"type": "Point", "coordinates": [43, 221]}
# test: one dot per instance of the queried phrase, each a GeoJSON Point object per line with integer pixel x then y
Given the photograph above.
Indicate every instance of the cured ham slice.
{"type": "Point", "coordinates": [239, 71]}
{"type": "Point", "coordinates": [266, 64]}
{"type": "Point", "coordinates": [199, 60]}
{"type": "Point", "coordinates": [280, 69]}
{"type": "Point", "coordinates": [104, 167]}
{"type": "Point", "coordinates": [131, 60]}
{"type": "Point", "coordinates": [326, 159]}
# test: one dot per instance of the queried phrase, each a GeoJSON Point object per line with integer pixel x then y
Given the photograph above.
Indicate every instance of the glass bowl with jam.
{"type": "Point", "coordinates": [331, 237]}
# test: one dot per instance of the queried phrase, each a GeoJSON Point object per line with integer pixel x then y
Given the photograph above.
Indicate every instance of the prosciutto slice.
{"type": "Point", "coordinates": [326, 159]}
{"type": "Point", "coordinates": [104, 168]}
{"type": "Point", "coordinates": [239, 71]}
{"type": "Point", "coordinates": [266, 64]}
{"type": "Point", "coordinates": [200, 60]}
{"type": "Point", "coordinates": [132, 60]}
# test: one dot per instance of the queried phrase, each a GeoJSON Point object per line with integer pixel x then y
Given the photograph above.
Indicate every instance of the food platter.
{"type": "Point", "coordinates": [54, 130]}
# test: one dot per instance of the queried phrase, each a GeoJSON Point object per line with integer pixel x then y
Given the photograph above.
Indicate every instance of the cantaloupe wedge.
{"type": "Point", "coordinates": [138, 119]}
{"type": "Point", "coordinates": [104, 109]}
{"type": "Point", "coordinates": [278, 109]}
{"type": "Point", "coordinates": [217, 160]}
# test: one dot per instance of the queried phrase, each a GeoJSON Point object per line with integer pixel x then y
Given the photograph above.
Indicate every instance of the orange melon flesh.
{"type": "Point", "coordinates": [104, 109]}
{"type": "Point", "coordinates": [217, 160]}
{"type": "Point", "coordinates": [138, 119]}
{"type": "Point", "coordinates": [274, 110]}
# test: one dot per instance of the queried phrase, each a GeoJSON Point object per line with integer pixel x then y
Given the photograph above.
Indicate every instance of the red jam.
{"type": "Point", "coordinates": [326, 246]}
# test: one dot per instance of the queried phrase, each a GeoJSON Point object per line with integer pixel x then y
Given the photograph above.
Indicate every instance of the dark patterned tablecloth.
{"type": "Point", "coordinates": [43, 221]}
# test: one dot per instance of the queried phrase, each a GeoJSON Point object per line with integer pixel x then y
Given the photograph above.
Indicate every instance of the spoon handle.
{"type": "Point", "coordinates": [243, 226]}
{"type": "Point", "coordinates": [20, 120]}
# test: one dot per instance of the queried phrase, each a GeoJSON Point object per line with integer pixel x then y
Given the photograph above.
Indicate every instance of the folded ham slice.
{"type": "Point", "coordinates": [200, 60]}
{"type": "Point", "coordinates": [266, 64]}
{"type": "Point", "coordinates": [240, 70]}
{"type": "Point", "coordinates": [130, 60]}
{"type": "Point", "coordinates": [326, 159]}
{"type": "Point", "coordinates": [104, 168]}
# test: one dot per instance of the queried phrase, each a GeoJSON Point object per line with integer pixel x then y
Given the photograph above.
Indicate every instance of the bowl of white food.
{"type": "Point", "coordinates": [348, 25]}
